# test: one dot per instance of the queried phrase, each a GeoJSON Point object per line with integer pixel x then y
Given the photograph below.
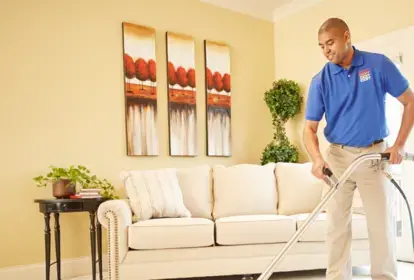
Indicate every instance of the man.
{"type": "Point", "coordinates": [350, 91]}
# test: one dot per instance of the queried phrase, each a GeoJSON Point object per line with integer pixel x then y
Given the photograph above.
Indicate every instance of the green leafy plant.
{"type": "Point", "coordinates": [77, 174]}
{"type": "Point", "coordinates": [284, 102]}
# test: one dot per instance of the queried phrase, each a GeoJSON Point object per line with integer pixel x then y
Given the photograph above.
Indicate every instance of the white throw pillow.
{"type": "Point", "coordinates": [244, 189]}
{"type": "Point", "coordinates": [197, 188]}
{"type": "Point", "coordinates": [154, 194]}
{"type": "Point", "coordinates": [299, 191]}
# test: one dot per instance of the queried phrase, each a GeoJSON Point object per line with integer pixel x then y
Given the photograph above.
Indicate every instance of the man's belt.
{"type": "Point", "coordinates": [377, 142]}
{"type": "Point", "coordinates": [372, 144]}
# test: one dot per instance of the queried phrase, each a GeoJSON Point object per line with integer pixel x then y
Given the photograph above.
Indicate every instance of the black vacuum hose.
{"type": "Point", "coordinates": [406, 202]}
{"type": "Point", "coordinates": [386, 156]}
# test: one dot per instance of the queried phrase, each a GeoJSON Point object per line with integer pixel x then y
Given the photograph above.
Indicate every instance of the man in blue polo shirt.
{"type": "Point", "coordinates": [350, 92]}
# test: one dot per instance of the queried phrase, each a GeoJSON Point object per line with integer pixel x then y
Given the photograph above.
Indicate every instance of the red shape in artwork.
{"type": "Point", "coordinates": [182, 77]}
{"type": "Point", "coordinates": [191, 78]}
{"type": "Point", "coordinates": [209, 78]}
{"type": "Point", "coordinates": [141, 68]}
{"type": "Point", "coordinates": [218, 81]}
{"type": "Point", "coordinates": [129, 66]}
{"type": "Point", "coordinates": [172, 78]}
{"type": "Point", "coordinates": [226, 82]}
{"type": "Point", "coordinates": [152, 68]}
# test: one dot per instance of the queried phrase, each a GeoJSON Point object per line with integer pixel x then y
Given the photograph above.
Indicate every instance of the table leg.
{"type": "Point", "coordinates": [99, 232]}
{"type": "Point", "coordinates": [93, 243]}
{"type": "Point", "coordinates": [47, 244]}
{"type": "Point", "coordinates": [57, 245]}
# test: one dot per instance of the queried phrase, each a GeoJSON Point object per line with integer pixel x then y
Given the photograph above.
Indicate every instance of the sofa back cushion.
{"type": "Point", "coordinates": [244, 189]}
{"type": "Point", "coordinates": [299, 191]}
{"type": "Point", "coordinates": [197, 188]}
{"type": "Point", "coordinates": [154, 194]}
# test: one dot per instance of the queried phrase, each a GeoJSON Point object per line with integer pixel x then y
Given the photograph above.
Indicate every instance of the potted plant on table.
{"type": "Point", "coordinates": [64, 181]}
{"type": "Point", "coordinates": [284, 102]}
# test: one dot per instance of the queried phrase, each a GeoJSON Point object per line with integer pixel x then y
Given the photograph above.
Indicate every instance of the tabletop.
{"type": "Point", "coordinates": [52, 205]}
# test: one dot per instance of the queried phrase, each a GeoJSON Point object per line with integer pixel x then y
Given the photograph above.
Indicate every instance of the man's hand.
{"type": "Point", "coordinates": [317, 168]}
{"type": "Point", "coordinates": [396, 154]}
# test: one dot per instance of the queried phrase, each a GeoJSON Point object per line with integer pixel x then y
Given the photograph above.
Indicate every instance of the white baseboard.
{"type": "Point", "coordinates": [70, 268]}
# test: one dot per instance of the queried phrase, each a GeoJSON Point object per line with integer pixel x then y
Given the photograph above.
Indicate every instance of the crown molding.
{"type": "Point", "coordinates": [292, 8]}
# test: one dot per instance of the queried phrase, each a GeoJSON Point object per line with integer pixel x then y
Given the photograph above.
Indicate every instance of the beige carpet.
{"type": "Point", "coordinates": [406, 272]}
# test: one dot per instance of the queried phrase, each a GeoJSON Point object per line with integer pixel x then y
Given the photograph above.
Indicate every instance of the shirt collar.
{"type": "Point", "coordinates": [357, 60]}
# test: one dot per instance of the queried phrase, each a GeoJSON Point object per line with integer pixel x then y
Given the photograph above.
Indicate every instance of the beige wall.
{"type": "Point", "coordinates": [298, 56]}
{"type": "Point", "coordinates": [61, 88]}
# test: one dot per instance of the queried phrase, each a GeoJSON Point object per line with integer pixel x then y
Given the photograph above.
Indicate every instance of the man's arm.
{"type": "Point", "coordinates": [315, 109]}
{"type": "Point", "coordinates": [311, 141]}
{"type": "Point", "coordinates": [398, 86]}
{"type": "Point", "coordinates": [407, 100]}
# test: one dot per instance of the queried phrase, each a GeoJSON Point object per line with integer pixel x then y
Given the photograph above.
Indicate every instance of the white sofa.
{"type": "Point", "coordinates": [217, 220]}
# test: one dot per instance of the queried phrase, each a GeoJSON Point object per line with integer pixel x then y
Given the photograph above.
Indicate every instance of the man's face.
{"type": "Point", "coordinates": [334, 44]}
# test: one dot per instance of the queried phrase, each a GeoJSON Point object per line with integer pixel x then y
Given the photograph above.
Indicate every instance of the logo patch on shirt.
{"type": "Point", "coordinates": [364, 75]}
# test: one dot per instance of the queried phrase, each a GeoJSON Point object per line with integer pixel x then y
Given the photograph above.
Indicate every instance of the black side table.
{"type": "Point", "coordinates": [57, 206]}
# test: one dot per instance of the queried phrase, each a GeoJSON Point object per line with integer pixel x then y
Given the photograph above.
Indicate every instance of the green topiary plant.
{"type": "Point", "coordinates": [284, 102]}
{"type": "Point", "coordinates": [64, 181]}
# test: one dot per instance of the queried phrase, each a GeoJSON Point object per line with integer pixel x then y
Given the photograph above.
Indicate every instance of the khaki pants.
{"type": "Point", "coordinates": [375, 193]}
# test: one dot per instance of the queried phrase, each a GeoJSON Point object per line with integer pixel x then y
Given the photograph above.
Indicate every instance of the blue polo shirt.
{"type": "Point", "coordinates": [353, 101]}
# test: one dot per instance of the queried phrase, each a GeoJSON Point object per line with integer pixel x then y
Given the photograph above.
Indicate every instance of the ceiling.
{"type": "Point", "coordinates": [271, 10]}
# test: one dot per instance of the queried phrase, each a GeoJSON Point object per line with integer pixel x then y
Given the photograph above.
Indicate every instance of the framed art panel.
{"type": "Point", "coordinates": [218, 98]}
{"type": "Point", "coordinates": [140, 87]}
{"type": "Point", "coordinates": [182, 109]}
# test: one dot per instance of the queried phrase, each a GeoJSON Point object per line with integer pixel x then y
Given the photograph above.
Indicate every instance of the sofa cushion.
{"type": "Point", "coordinates": [254, 229]}
{"type": "Point", "coordinates": [244, 189]}
{"type": "Point", "coordinates": [317, 230]}
{"type": "Point", "coordinates": [164, 233]}
{"type": "Point", "coordinates": [154, 193]}
{"type": "Point", "coordinates": [197, 188]}
{"type": "Point", "coordinates": [299, 191]}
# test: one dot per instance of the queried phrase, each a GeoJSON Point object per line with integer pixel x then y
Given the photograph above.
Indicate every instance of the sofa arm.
{"type": "Point", "coordinates": [116, 217]}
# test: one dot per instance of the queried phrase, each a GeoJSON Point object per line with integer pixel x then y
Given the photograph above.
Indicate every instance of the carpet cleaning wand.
{"type": "Point", "coordinates": [335, 185]}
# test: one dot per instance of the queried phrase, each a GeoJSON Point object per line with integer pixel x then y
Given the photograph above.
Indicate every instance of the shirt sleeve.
{"type": "Point", "coordinates": [315, 107]}
{"type": "Point", "coordinates": [394, 82]}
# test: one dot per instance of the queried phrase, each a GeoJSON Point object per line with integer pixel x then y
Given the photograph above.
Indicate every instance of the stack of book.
{"type": "Point", "coordinates": [88, 193]}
